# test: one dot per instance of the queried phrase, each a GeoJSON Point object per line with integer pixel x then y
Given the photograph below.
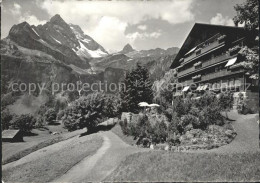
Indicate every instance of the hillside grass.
{"type": "Point", "coordinates": [127, 139]}
{"type": "Point", "coordinates": [53, 164]}
{"type": "Point", "coordinates": [15, 151]}
{"type": "Point", "coordinates": [169, 166]}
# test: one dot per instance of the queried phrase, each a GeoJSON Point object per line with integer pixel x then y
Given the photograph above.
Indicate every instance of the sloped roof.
{"type": "Point", "coordinates": [196, 33]}
{"type": "Point", "coordinates": [9, 134]}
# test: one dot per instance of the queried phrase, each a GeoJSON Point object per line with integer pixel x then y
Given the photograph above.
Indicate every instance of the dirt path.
{"type": "Point", "coordinates": [97, 167]}
{"type": "Point", "coordinates": [247, 139]}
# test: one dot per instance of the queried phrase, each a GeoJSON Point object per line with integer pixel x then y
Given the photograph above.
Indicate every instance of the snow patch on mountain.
{"type": "Point", "coordinates": [35, 32]}
{"type": "Point", "coordinates": [56, 40]}
{"type": "Point", "coordinates": [85, 52]}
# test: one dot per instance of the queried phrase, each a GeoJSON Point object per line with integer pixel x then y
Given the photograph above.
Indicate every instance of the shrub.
{"type": "Point", "coordinates": [226, 101]}
{"type": "Point", "coordinates": [124, 126]}
{"type": "Point", "coordinates": [50, 115]}
{"type": "Point", "coordinates": [189, 119]}
{"type": "Point", "coordinates": [159, 133]}
{"type": "Point", "coordinates": [173, 139]}
{"type": "Point", "coordinates": [210, 115]}
{"type": "Point", "coordinates": [85, 112]}
{"type": "Point", "coordinates": [242, 106]}
{"type": "Point", "coordinates": [181, 106]}
{"type": "Point", "coordinates": [24, 122]}
{"type": "Point", "coordinates": [111, 106]}
{"type": "Point", "coordinates": [60, 114]}
{"type": "Point", "coordinates": [6, 118]}
{"type": "Point", "coordinates": [40, 122]}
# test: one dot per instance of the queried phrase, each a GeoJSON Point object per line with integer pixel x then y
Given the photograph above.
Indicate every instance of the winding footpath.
{"type": "Point", "coordinates": [247, 139]}
{"type": "Point", "coordinates": [97, 167]}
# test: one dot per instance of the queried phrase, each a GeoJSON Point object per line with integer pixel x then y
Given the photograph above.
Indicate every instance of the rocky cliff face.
{"type": "Point", "coordinates": [127, 49]}
{"type": "Point", "coordinates": [57, 52]}
{"type": "Point", "coordinates": [64, 42]}
{"type": "Point", "coordinates": [54, 52]}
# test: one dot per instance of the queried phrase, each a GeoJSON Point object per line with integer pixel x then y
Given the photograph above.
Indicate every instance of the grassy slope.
{"type": "Point", "coordinates": [53, 165]}
{"type": "Point", "coordinates": [14, 151]}
{"type": "Point", "coordinates": [127, 139]}
{"type": "Point", "coordinates": [167, 166]}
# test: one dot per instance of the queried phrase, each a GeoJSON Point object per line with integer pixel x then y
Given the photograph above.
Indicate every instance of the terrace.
{"type": "Point", "coordinates": [204, 65]}
{"type": "Point", "coordinates": [211, 44]}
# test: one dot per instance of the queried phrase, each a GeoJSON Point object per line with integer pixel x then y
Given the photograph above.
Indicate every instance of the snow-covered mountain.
{"type": "Point", "coordinates": [65, 42]}
{"type": "Point", "coordinates": [88, 48]}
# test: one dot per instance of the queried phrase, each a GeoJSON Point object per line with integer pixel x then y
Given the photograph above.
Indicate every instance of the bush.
{"type": "Point", "coordinates": [159, 134]}
{"type": "Point", "coordinates": [124, 126]}
{"type": "Point", "coordinates": [111, 106]}
{"type": "Point", "coordinates": [85, 112]}
{"type": "Point", "coordinates": [242, 106]}
{"type": "Point", "coordinates": [60, 114]}
{"type": "Point", "coordinates": [24, 122]}
{"type": "Point", "coordinates": [226, 101]}
{"type": "Point", "coordinates": [50, 115]}
{"type": "Point", "coordinates": [40, 122]}
{"type": "Point", "coordinates": [189, 119]}
{"type": "Point", "coordinates": [181, 106]}
{"type": "Point", "coordinates": [145, 131]}
{"type": "Point", "coordinates": [6, 118]}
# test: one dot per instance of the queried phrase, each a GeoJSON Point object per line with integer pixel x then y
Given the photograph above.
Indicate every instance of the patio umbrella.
{"type": "Point", "coordinates": [154, 105]}
{"type": "Point", "coordinates": [143, 104]}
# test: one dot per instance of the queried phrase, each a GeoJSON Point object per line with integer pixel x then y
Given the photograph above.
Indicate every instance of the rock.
{"type": "Point", "coordinates": [204, 139]}
{"type": "Point", "coordinates": [55, 133]}
{"type": "Point", "coordinates": [229, 133]}
{"type": "Point", "coordinates": [182, 138]}
{"type": "Point", "coordinates": [194, 141]}
{"type": "Point", "coordinates": [189, 135]}
{"type": "Point", "coordinates": [151, 146]}
{"type": "Point", "coordinates": [166, 148]}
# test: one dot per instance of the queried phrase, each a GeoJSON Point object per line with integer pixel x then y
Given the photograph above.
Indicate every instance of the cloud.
{"type": "Point", "coordinates": [137, 35]}
{"type": "Point", "coordinates": [31, 19]}
{"type": "Point", "coordinates": [110, 31]}
{"type": "Point", "coordinates": [16, 10]}
{"type": "Point", "coordinates": [175, 11]}
{"type": "Point", "coordinates": [100, 19]}
{"type": "Point", "coordinates": [142, 27]}
{"type": "Point", "coordinates": [220, 20]}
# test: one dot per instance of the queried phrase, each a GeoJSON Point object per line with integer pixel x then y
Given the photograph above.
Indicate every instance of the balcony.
{"type": "Point", "coordinates": [204, 64]}
{"type": "Point", "coordinates": [219, 74]}
{"type": "Point", "coordinates": [184, 72]}
{"type": "Point", "coordinates": [215, 60]}
{"type": "Point", "coordinates": [205, 49]}
{"type": "Point", "coordinates": [212, 76]}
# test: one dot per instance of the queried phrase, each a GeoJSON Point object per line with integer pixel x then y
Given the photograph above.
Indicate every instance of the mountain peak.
{"type": "Point", "coordinates": [127, 48]}
{"type": "Point", "coordinates": [56, 19]}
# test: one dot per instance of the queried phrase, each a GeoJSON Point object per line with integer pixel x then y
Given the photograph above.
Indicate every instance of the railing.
{"type": "Point", "coordinates": [203, 50]}
{"type": "Point", "coordinates": [213, 76]}
{"type": "Point", "coordinates": [219, 74]}
{"type": "Point", "coordinates": [215, 60]}
{"type": "Point", "coordinates": [181, 73]}
{"type": "Point", "coordinates": [205, 64]}
{"type": "Point", "coordinates": [187, 82]}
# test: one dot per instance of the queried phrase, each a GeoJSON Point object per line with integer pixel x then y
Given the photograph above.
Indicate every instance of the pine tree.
{"type": "Point", "coordinates": [138, 88]}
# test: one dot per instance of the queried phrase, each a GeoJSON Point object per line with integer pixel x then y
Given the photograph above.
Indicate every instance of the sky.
{"type": "Point", "coordinates": [113, 24]}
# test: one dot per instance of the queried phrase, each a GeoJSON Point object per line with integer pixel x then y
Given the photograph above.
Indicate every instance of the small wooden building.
{"type": "Point", "coordinates": [12, 136]}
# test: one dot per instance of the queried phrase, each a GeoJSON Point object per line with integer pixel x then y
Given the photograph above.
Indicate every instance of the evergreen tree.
{"type": "Point", "coordinates": [137, 88]}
